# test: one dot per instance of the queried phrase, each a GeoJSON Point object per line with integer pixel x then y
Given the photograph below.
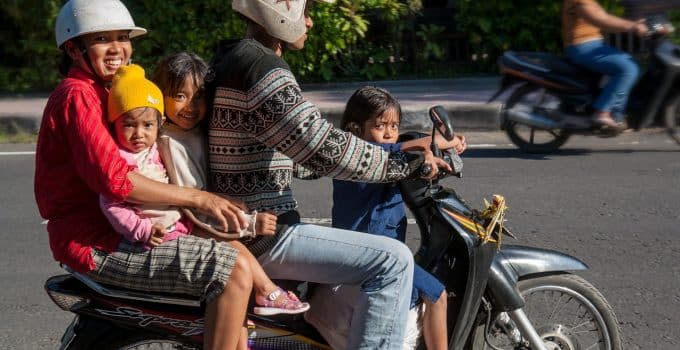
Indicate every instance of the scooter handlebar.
{"type": "Point", "coordinates": [452, 158]}
{"type": "Point", "coordinates": [658, 26]}
{"type": "Point", "coordinates": [425, 170]}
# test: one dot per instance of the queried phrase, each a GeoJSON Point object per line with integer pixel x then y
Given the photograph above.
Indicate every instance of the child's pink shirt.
{"type": "Point", "coordinates": [134, 222]}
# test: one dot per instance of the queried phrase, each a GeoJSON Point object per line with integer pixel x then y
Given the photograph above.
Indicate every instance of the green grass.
{"type": "Point", "coordinates": [18, 138]}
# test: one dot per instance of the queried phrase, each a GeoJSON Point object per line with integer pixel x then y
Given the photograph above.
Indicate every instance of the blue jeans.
{"type": "Point", "coordinates": [619, 66]}
{"type": "Point", "coordinates": [425, 286]}
{"type": "Point", "coordinates": [380, 267]}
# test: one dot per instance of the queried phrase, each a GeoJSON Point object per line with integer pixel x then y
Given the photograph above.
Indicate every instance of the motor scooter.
{"type": "Point", "coordinates": [500, 296]}
{"type": "Point", "coordinates": [552, 97]}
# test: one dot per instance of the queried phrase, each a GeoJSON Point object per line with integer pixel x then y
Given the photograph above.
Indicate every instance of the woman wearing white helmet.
{"type": "Point", "coordinates": [262, 130]}
{"type": "Point", "coordinates": [77, 161]}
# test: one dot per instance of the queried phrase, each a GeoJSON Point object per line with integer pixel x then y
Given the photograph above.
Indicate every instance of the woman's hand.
{"type": "Point", "coordinates": [265, 224]}
{"type": "Point", "coordinates": [225, 212]}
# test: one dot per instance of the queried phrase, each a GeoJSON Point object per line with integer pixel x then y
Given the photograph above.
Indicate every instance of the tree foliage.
{"type": "Point", "coordinates": [674, 16]}
{"type": "Point", "coordinates": [30, 57]}
{"type": "Point", "coordinates": [352, 39]}
{"type": "Point", "coordinates": [29, 53]}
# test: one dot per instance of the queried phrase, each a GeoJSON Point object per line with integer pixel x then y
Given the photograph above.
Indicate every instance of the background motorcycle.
{"type": "Point", "coordinates": [514, 297]}
{"type": "Point", "coordinates": [555, 97]}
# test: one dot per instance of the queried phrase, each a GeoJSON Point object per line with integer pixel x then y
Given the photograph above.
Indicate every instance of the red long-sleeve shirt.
{"type": "Point", "coordinates": [76, 161]}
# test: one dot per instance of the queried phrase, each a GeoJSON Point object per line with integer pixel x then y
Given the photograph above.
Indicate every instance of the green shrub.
{"type": "Point", "coordinates": [29, 53]}
{"type": "Point", "coordinates": [674, 17]}
{"type": "Point", "coordinates": [343, 44]}
{"type": "Point", "coordinates": [181, 25]}
{"type": "Point", "coordinates": [30, 59]}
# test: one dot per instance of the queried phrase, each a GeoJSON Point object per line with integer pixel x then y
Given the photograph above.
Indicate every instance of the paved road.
{"type": "Point", "coordinates": [611, 202]}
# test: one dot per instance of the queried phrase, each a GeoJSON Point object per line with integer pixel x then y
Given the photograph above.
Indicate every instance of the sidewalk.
{"type": "Point", "coordinates": [464, 98]}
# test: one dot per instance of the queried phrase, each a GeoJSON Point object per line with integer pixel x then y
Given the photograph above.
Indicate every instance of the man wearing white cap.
{"type": "Point", "coordinates": [262, 132]}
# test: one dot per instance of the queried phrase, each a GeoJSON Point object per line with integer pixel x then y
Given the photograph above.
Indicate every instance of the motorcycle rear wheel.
{"type": "Point", "coordinates": [672, 118]}
{"type": "Point", "coordinates": [530, 139]}
{"type": "Point", "coordinates": [142, 343]}
{"type": "Point", "coordinates": [568, 312]}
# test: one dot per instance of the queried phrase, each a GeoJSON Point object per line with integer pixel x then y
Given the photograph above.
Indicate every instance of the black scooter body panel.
{"type": "Point", "coordinates": [578, 87]}
{"type": "Point", "coordinates": [175, 322]}
{"type": "Point", "coordinates": [552, 71]}
{"type": "Point", "coordinates": [454, 256]}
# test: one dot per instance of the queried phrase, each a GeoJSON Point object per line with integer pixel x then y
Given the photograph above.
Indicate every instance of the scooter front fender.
{"type": "Point", "coordinates": [514, 262]}
{"type": "Point", "coordinates": [520, 261]}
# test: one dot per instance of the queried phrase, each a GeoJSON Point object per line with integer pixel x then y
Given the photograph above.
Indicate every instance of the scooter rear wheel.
{"type": "Point", "coordinates": [672, 118]}
{"type": "Point", "coordinates": [530, 139]}
{"type": "Point", "coordinates": [140, 342]}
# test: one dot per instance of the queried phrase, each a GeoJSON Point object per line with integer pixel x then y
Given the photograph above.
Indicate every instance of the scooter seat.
{"type": "Point", "coordinates": [120, 293]}
{"type": "Point", "coordinates": [549, 69]}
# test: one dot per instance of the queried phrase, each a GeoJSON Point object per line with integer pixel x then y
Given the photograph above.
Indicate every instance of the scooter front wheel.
{"type": "Point", "coordinates": [672, 118]}
{"type": "Point", "coordinates": [567, 311]}
{"type": "Point", "coordinates": [528, 138]}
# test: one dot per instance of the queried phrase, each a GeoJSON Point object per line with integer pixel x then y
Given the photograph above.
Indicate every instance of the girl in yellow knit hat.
{"type": "Point", "coordinates": [135, 108]}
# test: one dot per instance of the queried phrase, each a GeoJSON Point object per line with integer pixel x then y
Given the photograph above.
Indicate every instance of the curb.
{"type": "Point", "coordinates": [13, 126]}
{"type": "Point", "coordinates": [465, 116]}
{"type": "Point", "coordinates": [21, 114]}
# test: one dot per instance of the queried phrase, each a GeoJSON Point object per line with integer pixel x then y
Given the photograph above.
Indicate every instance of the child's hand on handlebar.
{"type": "Point", "coordinates": [458, 143]}
{"type": "Point", "coordinates": [461, 144]}
{"type": "Point", "coordinates": [434, 164]}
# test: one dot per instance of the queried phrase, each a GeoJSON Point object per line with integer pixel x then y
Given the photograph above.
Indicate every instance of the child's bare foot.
{"type": "Point", "coordinates": [279, 302]}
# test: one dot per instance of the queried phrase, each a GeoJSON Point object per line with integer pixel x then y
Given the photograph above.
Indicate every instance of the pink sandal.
{"type": "Point", "coordinates": [279, 302]}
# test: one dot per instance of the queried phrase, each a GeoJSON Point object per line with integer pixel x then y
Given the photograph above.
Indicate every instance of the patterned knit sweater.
{"type": "Point", "coordinates": [262, 127]}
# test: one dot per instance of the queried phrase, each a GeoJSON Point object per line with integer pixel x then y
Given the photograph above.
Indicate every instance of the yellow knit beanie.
{"type": "Point", "coordinates": [130, 90]}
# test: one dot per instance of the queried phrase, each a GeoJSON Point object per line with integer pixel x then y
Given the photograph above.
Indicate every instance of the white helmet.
{"type": "Point", "coordinates": [78, 17]}
{"type": "Point", "coordinates": [282, 19]}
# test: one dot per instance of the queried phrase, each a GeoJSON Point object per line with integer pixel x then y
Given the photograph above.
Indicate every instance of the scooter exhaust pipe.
{"type": "Point", "coordinates": [531, 119]}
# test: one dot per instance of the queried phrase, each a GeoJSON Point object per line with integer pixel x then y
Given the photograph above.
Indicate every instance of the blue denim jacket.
{"type": "Point", "coordinates": [378, 208]}
{"type": "Point", "coordinates": [375, 208]}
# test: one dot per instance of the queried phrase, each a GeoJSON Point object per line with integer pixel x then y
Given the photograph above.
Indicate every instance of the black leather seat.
{"type": "Point", "coordinates": [552, 68]}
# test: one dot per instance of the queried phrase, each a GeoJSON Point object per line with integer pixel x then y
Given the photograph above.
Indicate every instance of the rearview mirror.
{"type": "Point", "coordinates": [441, 121]}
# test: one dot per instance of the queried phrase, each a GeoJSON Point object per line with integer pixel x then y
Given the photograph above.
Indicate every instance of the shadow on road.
{"type": "Point", "coordinates": [516, 153]}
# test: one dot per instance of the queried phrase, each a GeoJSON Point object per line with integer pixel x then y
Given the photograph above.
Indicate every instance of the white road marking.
{"type": "Point", "coordinates": [327, 221]}
{"type": "Point", "coordinates": [27, 153]}
{"type": "Point", "coordinates": [470, 146]}
{"type": "Point", "coordinates": [484, 145]}
{"type": "Point", "coordinates": [315, 221]}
